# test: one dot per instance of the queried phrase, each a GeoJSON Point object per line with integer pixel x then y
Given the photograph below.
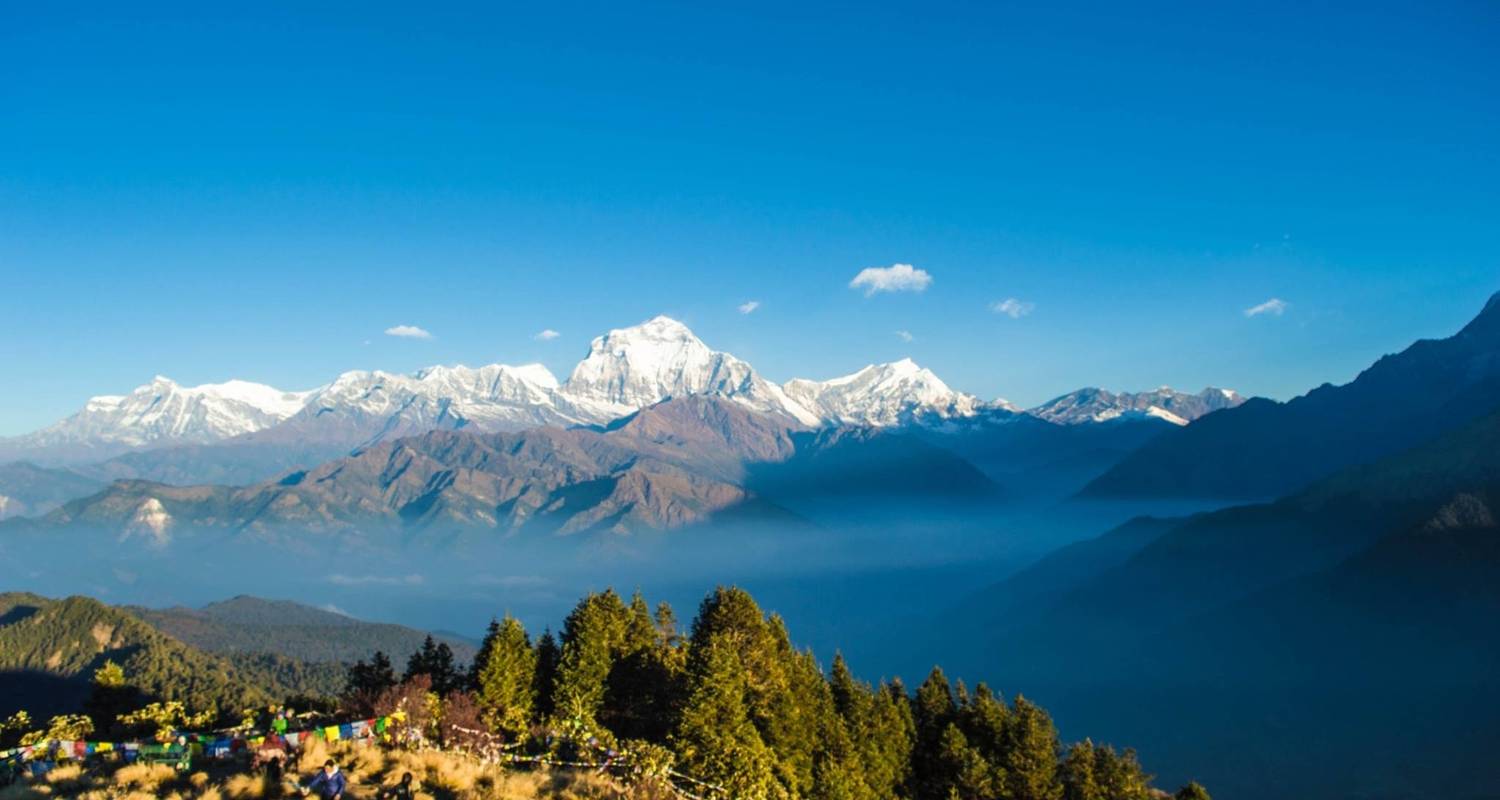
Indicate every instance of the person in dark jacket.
{"type": "Point", "coordinates": [329, 784]}
{"type": "Point", "coordinates": [405, 790]}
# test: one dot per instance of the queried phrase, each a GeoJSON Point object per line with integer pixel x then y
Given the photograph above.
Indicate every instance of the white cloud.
{"type": "Point", "coordinates": [904, 336]}
{"type": "Point", "coordinates": [1013, 308]}
{"type": "Point", "coordinates": [895, 278]}
{"type": "Point", "coordinates": [339, 579]}
{"type": "Point", "coordinates": [546, 335]}
{"type": "Point", "coordinates": [408, 332]}
{"type": "Point", "coordinates": [1275, 307]}
{"type": "Point", "coordinates": [512, 581]}
{"type": "Point", "coordinates": [749, 306]}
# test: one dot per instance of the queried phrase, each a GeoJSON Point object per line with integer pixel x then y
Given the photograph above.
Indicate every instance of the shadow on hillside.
{"type": "Point", "coordinates": [41, 694]}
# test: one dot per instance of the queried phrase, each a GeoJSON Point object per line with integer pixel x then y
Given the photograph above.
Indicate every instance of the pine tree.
{"type": "Point", "coordinates": [848, 696]}
{"type": "Point", "coordinates": [794, 710]}
{"type": "Point", "coordinates": [548, 654]}
{"type": "Point", "coordinates": [1030, 759]}
{"type": "Point", "coordinates": [961, 771]}
{"type": "Point", "coordinates": [591, 642]}
{"type": "Point", "coordinates": [666, 626]}
{"type": "Point", "coordinates": [110, 696]}
{"type": "Point", "coordinates": [366, 682]}
{"type": "Point", "coordinates": [435, 660]}
{"type": "Point", "coordinates": [714, 737]}
{"type": "Point", "coordinates": [1119, 775]}
{"type": "Point", "coordinates": [889, 742]}
{"type": "Point", "coordinates": [934, 710]}
{"type": "Point", "coordinates": [1192, 791]}
{"type": "Point", "coordinates": [483, 656]}
{"type": "Point", "coordinates": [506, 679]}
{"type": "Point", "coordinates": [1077, 774]}
{"type": "Point", "coordinates": [984, 718]}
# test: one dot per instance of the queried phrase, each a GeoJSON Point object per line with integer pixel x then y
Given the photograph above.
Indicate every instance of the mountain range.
{"type": "Point", "coordinates": [637, 436]}
{"type": "Point", "coordinates": [1262, 449]}
{"type": "Point", "coordinates": [624, 371]}
{"type": "Point", "coordinates": [1295, 617]}
{"type": "Point", "coordinates": [670, 465]}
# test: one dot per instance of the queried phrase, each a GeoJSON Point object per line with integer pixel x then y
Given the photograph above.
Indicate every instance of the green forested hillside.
{"type": "Point", "coordinates": [733, 704]}
{"type": "Point", "coordinates": [49, 650]}
{"type": "Point", "coordinates": [249, 625]}
{"type": "Point", "coordinates": [730, 706]}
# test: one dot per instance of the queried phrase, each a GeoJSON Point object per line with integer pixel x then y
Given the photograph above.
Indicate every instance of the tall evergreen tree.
{"type": "Point", "coordinates": [110, 696]}
{"type": "Point", "coordinates": [642, 687]}
{"type": "Point", "coordinates": [548, 654]}
{"type": "Point", "coordinates": [934, 710]}
{"type": "Point", "coordinates": [889, 742]}
{"type": "Point", "coordinates": [714, 737]}
{"type": "Point", "coordinates": [483, 655]}
{"type": "Point", "coordinates": [666, 626]}
{"type": "Point", "coordinates": [1119, 775]}
{"type": "Point", "coordinates": [1192, 791]}
{"type": "Point", "coordinates": [984, 718]}
{"type": "Point", "coordinates": [1077, 774]}
{"type": "Point", "coordinates": [506, 679]}
{"type": "Point", "coordinates": [592, 637]}
{"type": "Point", "coordinates": [366, 682]}
{"type": "Point", "coordinates": [961, 771]}
{"type": "Point", "coordinates": [435, 660]}
{"type": "Point", "coordinates": [850, 699]}
{"type": "Point", "coordinates": [1030, 759]}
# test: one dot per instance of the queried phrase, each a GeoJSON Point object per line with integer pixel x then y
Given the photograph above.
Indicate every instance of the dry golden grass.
{"type": "Point", "coordinates": [370, 769]}
{"type": "Point", "coordinates": [246, 787]}
{"type": "Point", "coordinates": [145, 777]}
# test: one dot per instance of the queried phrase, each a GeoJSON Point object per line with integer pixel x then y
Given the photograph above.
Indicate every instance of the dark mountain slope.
{"type": "Point", "coordinates": [1038, 460]}
{"type": "Point", "coordinates": [1216, 558]}
{"type": "Point", "coordinates": [1266, 449]}
{"type": "Point", "coordinates": [1311, 623]}
{"type": "Point", "coordinates": [252, 625]}
{"type": "Point", "coordinates": [1015, 601]}
{"type": "Point", "coordinates": [27, 489]}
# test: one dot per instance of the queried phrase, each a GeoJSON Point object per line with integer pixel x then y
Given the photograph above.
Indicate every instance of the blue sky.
{"type": "Point", "coordinates": [260, 194]}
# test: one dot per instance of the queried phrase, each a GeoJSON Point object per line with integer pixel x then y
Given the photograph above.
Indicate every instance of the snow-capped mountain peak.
{"type": "Point", "coordinates": [883, 394]}
{"type": "Point", "coordinates": [631, 368]}
{"type": "Point", "coordinates": [165, 412]}
{"type": "Point", "coordinates": [1092, 404]}
{"type": "Point", "coordinates": [364, 406]}
{"type": "Point", "coordinates": [624, 371]}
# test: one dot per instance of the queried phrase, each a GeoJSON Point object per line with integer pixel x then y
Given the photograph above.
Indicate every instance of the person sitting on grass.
{"type": "Point", "coordinates": [328, 783]}
{"type": "Point", "coordinates": [405, 790]}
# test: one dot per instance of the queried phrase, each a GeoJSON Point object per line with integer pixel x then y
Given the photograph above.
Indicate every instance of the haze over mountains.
{"type": "Point", "coordinates": [238, 433]}
{"type": "Point", "coordinates": [888, 502]}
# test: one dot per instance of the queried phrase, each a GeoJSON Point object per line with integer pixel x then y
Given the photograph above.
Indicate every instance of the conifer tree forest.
{"type": "Point", "coordinates": [735, 704]}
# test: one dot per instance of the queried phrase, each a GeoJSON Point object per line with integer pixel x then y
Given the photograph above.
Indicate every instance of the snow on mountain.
{"type": "Point", "coordinates": [624, 371]}
{"type": "Point", "coordinates": [365, 406]}
{"type": "Point", "coordinates": [163, 412]}
{"type": "Point", "coordinates": [885, 394]}
{"type": "Point", "coordinates": [631, 368]}
{"type": "Point", "coordinates": [1098, 405]}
